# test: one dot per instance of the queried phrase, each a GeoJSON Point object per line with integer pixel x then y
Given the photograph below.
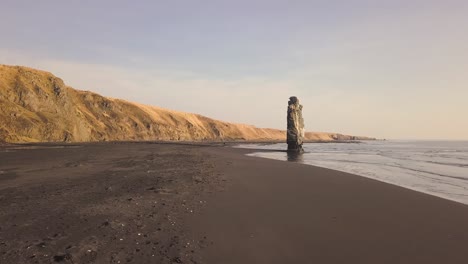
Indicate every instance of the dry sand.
{"type": "Point", "coordinates": [101, 203]}
{"type": "Point", "coordinates": [173, 203]}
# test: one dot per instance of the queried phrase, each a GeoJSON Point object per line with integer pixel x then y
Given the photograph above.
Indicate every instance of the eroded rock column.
{"type": "Point", "coordinates": [296, 131]}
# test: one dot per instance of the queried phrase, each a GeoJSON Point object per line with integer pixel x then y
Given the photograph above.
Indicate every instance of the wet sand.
{"type": "Point", "coordinates": [171, 203]}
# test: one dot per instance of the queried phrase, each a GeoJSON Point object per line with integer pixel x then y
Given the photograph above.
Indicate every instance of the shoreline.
{"type": "Point", "coordinates": [381, 174]}
{"type": "Point", "coordinates": [182, 203]}
{"type": "Point", "coordinates": [355, 174]}
{"type": "Point", "coordinates": [285, 212]}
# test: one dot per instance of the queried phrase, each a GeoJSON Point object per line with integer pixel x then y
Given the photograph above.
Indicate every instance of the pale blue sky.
{"type": "Point", "coordinates": [388, 69]}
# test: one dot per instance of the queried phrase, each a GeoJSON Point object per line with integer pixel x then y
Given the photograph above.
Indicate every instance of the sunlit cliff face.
{"type": "Point", "coordinates": [37, 106]}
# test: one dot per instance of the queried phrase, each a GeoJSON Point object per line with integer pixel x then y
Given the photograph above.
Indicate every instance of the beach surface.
{"type": "Point", "coordinates": [208, 203]}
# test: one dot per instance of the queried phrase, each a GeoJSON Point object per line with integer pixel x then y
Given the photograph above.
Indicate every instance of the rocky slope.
{"type": "Point", "coordinates": [36, 106]}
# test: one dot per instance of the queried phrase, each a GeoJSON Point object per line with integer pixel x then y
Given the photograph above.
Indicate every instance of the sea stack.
{"type": "Point", "coordinates": [295, 131]}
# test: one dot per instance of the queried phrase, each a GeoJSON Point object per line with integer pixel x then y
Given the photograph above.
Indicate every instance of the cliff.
{"type": "Point", "coordinates": [36, 106]}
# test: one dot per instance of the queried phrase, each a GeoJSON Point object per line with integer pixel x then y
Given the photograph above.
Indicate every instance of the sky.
{"type": "Point", "coordinates": [395, 69]}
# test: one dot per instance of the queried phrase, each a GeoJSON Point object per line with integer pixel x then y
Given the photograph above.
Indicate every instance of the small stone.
{"type": "Point", "coordinates": [42, 245]}
{"type": "Point", "coordinates": [177, 260]}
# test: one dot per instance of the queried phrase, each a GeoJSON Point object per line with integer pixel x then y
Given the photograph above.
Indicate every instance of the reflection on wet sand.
{"type": "Point", "coordinates": [295, 156]}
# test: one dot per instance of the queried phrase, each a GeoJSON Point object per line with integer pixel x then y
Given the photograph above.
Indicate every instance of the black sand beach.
{"type": "Point", "coordinates": [174, 203]}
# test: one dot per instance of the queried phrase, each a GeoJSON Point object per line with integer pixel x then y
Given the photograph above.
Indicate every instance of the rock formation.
{"type": "Point", "coordinates": [295, 132]}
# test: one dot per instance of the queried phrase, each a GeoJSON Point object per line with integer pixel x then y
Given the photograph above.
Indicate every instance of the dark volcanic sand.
{"type": "Point", "coordinates": [171, 203]}
{"type": "Point", "coordinates": [101, 203]}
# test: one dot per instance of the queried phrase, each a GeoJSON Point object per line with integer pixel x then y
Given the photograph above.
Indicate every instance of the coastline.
{"type": "Point", "coordinates": [286, 212]}
{"type": "Point", "coordinates": [226, 208]}
{"type": "Point", "coordinates": [437, 168]}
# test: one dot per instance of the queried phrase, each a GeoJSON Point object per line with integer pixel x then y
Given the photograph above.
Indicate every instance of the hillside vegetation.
{"type": "Point", "coordinates": [36, 106]}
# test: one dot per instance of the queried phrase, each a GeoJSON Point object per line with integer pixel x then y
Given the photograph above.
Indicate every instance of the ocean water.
{"type": "Point", "coordinates": [438, 168]}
